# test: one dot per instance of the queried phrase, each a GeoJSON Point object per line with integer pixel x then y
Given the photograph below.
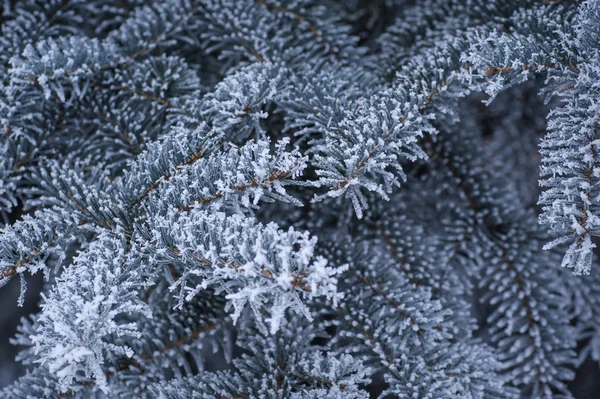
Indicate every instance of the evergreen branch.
{"type": "Point", "coordinates": [301, 19]}
{"type": "Point", "coordinates": [185, 339]}
{"type": "Point", "coordinates": [252, 184]}
{"type": "Point", "coordinates": [195, 156]}
{"type": "Point", "coordinates": [381, 293]}
{"type": "Point", "coordinates": [146, 95]}
{"type": "Point", "coordinates": [396, 254]}
{"type": "Point", "coordinates": [28, 243]}
{"type": "Point", "coordinates": [495, 70]}
{"type": "Point", "coordinates": [124, 133]}
{"type": "Point", "coordinates": [529, 287]}
{"type": "Point", "coordinates": [217, 251]}
{"type": "Point", "coordinates": [230, 178]}
{"type": "Point", "coordinates": [183, 147]}
{"type": "Point", "coordinates": [140, 360]}
{"type": "Point", "coordinates": [525, 301]}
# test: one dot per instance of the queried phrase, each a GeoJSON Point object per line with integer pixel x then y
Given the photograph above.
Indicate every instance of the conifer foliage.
{"type": "Point", "coordinates": [301, 199]}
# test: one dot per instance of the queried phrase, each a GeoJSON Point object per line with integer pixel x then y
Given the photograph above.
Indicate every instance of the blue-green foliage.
{"type": "Point", "coordinates": [301, 199]}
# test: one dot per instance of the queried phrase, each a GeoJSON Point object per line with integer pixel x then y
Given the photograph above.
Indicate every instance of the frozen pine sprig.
{"type": "Point", "coordinates": [570, 202]}
{"type": "Point", "coordinates": [151, 88]}
{"type": "Point", "coordinates": [8, 182]}
{"type": "Point", "coordinates": [29, 243]}
{"type": "Point", "coordinates": [560, 42]}
{"type": "Point", "coordinates": [199, 126]}
{"type": "Point", "coordinates": [330, 376]}
{"type": "Point", "coordinates": [159, 79]}
{"type": "Point", "coordinates": [318, 100]}
{"type": "Point", "coordinates": [314, 376]}
{"type": "Point", "coordinates": [39, 382]}
{"type": "Point", "coordinates": [152, 26]}
{"type": "Point", "coordinates": [180, 147]}
{"type": "Point", "coordinates": [404, 333]}
{"type": "Point", "coordinates": [72, 60]}
{"type": "Point", "coordinates": [497, 60]}
{"type": "Point", "coordinates": [236, 179]}
{"type": "Point", "coordinates": [237, 104]}
{"type": "Point", "coordinates": [569, 169]}
{"type": "Point", "coordinates": [301, 32]}
{"type": "Point", "coordinates": [85, 191]}
{"type": "Point", "coordinates": [258, 265]}
{"type": "Point", "coordinates": [282, 365]}
{"type": "Point", "coordinates": [23, 27]}
{"type": "Point", "coordinates": [587, 30]}
{"type": "Point", "coordinates": [85, 310]}
{"type": "Point", "coordinates": [369, 145]}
